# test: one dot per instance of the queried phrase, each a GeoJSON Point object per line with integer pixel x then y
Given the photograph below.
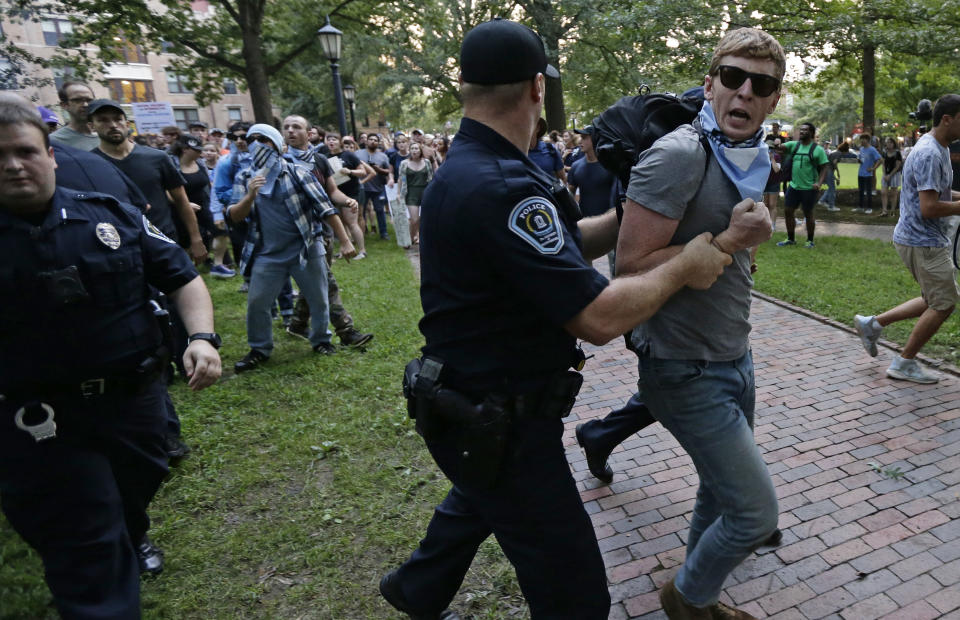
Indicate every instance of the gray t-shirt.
{"type": "Point", "coordinates": [927, 167]}
{"type": "Point", "coordinates": [281, 237]}
{"type": "Point", "coordinates": [71, 137]}
{"type": "Point", "coordinates": [714, 324]}
{"type": "Point", "coordinates": [379, 181]}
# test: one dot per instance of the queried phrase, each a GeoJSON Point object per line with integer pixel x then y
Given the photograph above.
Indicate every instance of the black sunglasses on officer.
{"type": "Point", "coordinates": [763, 85]}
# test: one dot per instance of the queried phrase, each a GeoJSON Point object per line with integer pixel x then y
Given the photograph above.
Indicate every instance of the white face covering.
{"type": "Point", "coordinates": [746, 163]}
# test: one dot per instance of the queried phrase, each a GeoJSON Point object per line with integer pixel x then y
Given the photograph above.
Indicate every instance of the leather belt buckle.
{"type": "Point", "coordinates": [93, 387]}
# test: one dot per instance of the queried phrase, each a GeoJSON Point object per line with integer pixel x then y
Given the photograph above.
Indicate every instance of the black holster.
{"type": "Point", "coordinates": [479, 430]}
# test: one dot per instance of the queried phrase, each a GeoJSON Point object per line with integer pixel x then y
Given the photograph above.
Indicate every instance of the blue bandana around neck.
{"type": "Point", "coordinates": [746, 163]}
{"type": "Point", "coordinates": [266, 163]}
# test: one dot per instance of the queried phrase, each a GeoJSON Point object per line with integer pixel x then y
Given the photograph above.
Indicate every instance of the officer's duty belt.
{"type": "Point", "coordinates": [133, 383]}
{"type": "Point", "coordinates": [555, 399]}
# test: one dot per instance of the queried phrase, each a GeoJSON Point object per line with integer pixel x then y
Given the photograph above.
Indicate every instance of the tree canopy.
{"type": "Point", "coordinates": [402, 57]}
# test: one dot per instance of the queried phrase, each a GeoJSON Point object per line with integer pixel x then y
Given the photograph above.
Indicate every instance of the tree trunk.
{"type": "Point", "coordinates": [256, 73]}
{"type": "Point", "coordinates": [869, 87]}
{"type": "Point", "coordinates": [553, 100]}
{"type": "Point", "coordinates": [547, 24]}
{"type": "Point", "coordinates": [553, 105]}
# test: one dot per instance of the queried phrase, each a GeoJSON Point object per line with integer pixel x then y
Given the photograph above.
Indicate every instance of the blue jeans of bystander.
{"type": "Point", "coordinates": [266, 280]}
{"type": "Point", "coordinates": [709, 407]}
{"type": "Point", "coordinates": [380, 208]}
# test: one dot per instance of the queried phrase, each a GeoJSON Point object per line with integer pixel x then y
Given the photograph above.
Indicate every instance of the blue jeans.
{"type": "Point", "coordinates": [829, 198]}
{"type": "Point", "coordinates": [285, 299]}
{"type": "Point", "coordinates": [379, 206]}
{"type": "Point", "coordinates": [708, 407]}
{"type": "Point", "coordinates": [266, 280]}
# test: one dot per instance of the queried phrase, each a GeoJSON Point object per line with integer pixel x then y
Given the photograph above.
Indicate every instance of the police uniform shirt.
{"type": "Point", "coordinates": [502, 272]}
{"type": "Point", "coordinates": [52, 333]}
{"type": "Point", "coordinates": [86, 172]}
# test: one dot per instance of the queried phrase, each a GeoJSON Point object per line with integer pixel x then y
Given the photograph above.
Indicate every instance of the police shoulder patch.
{"type": "Point", "coordinates": [535, 221]}
{"type": "Point", "coordinates": [153, 231]}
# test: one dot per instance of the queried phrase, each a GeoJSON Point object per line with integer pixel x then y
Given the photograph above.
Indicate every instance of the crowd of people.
{"type": "Point", "coordinates": [508, 218]}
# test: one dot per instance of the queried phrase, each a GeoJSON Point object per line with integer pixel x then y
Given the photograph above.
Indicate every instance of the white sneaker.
{"type": "Point", "coordinates": [868, 211]}
{"type": "Point", "coordinates": [829, 208]}
{"type": "Point", "coordinates": [910, 370]}
{"type": "Point", "coordinates": [869, 331]}
{"type": "Point", "coordinates": [856, 210]}
{"type": "Point", "coordinates": [360, 256]}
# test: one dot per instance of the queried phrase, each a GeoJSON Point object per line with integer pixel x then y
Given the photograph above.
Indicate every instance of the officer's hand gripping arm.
{"type": "Point", "coordinates": [632, 300]}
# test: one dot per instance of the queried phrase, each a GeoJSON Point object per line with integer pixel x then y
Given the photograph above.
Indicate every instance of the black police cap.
{"type": "Point", "coordinates": [501, 51]}
{"type": "Point", "coordinates": [102, 104]}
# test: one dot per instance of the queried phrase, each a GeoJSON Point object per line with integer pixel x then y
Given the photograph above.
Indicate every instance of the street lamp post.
{"type": "Point", "coordinates": [330, 40]}
{"type": "Point", "coordinates": [350, 94]}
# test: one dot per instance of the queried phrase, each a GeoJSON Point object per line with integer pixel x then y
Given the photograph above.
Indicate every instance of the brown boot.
{"type": "Point", "coordinates": [725, 612]}
{"type": "Point", "coordinates": [677, 608]}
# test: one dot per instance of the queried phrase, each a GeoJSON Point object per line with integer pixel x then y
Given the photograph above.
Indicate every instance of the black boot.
{"type": "Point", "coordinates": [150, 558]}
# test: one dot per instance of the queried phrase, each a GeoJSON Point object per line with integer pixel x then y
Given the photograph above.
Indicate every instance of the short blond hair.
{"type": "Point", "coordinates": [750, 43]}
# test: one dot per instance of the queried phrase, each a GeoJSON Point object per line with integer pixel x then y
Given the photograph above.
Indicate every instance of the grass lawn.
{"type": "Point", "coordinates": [307, 481]}
{"type": "Point", "coordinates": [848, 175]}
{"type": "Point", "coordinates": [844, 276]}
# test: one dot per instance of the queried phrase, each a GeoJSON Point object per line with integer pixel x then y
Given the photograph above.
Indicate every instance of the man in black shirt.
{"type": "Point", "coordinates": [590, 177]}
{"type": "Point", "coordinates": [296, 135]}
{"type": "Point", "coordinates": [151, 170]}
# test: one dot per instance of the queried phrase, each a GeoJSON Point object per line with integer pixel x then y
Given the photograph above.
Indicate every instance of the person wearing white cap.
{"type": "Point", "coordinates": [285, 204]}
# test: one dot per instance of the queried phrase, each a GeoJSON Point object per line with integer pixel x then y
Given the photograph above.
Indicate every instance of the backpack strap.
{"type": "Point", "coordinates": [705, 143]}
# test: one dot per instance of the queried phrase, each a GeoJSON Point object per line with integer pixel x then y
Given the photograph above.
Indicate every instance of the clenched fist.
{"type": "Point", "coordinates": [749, 226]}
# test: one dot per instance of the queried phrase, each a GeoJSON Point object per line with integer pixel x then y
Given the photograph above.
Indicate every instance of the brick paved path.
{"type": "Point", "coordinates": [857, 544]}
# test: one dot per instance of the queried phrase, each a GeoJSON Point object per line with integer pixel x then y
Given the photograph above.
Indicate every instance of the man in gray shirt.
{"type": "Point", "coordinates": [374, 188]}
{"type": "Point", "coordinates": [74, 98]}
{"type": "Point", "coordinates": [926, 204]}
{"type": "Point", "coordinates": [695, 366]}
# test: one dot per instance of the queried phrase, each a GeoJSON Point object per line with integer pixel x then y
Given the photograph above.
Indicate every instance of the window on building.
{"type": "Point", "coordinates": [234, 114]}
{"type": "Point", "coordinates": [131, 91]}
{"type": "Point", "coordinates": [177, 83]}
{"type": "Point", "coordinates": [229, 87]}
{"type": "Point", "coordinates": [55, 30]}
{"type": "Point", "coordinates": [129, 52]}
{"type": "Point", "coordinates": [185, 116]}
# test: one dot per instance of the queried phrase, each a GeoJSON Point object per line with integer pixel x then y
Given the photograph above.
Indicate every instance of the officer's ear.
{"type": "Point", "coordinates": [52, 156]}
{"type": "Point", "coordinates": [537, 88]}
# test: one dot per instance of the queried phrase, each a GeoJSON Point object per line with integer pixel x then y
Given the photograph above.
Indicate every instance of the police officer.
{"type": "Point", "coordinates": [81, 352]}
{"type": "Point", "coordinates": [506, 291]}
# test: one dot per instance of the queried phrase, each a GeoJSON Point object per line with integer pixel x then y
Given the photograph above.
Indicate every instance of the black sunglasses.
{"type": "Point", "coordinates": [733, 78]}
{"type": "Point", "coordinates": [261, 139]}
{"type": "Point", "coordinates": [233, 137]}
